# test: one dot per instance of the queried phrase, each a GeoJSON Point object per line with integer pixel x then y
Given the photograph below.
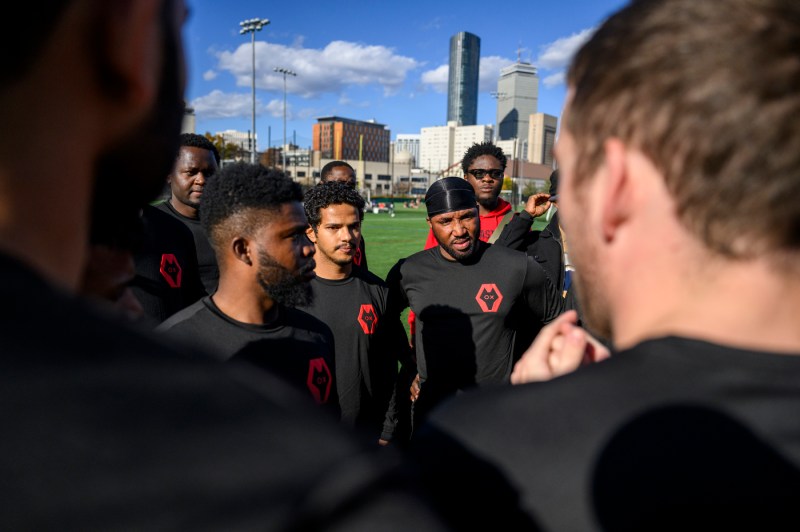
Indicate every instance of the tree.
{"type": "Point", "coordinates": [532, 188]}
{"type": "Point", "coordinates": [508, 184]}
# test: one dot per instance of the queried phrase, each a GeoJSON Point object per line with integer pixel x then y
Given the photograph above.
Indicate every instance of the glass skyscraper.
{"type": "Point", "coordinates": [462, 85]}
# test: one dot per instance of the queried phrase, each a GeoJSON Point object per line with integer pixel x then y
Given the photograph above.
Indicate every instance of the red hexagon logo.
{"type": "Point", "coordinates": [489, 297]}
{"type": "Point", "coordinates": [171, 270]}
{"type": "Point", "coordinates": [319, 380]}
{"type": "Point", "coordinates": [368, 318]}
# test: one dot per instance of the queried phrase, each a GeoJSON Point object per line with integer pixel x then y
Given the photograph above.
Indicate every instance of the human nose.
{"type": "Point", "coordinates": [459, 228]}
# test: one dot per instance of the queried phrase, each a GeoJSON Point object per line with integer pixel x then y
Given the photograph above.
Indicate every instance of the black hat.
{"type": "Point", "coordinates": [449, 194]}
{"type": "Point", "coordinates": [554, 185]}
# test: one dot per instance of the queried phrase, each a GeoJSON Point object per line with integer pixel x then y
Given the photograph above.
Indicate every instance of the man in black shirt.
{"type": "Point", "coordinates": [257, 226]}
{"type": "Point", "coordinates": [465, 294]}
{"type": "Point", "coordinates": [679, 163]}
{"type": "Point", "coordinates": [105, 428]}
{"type": "Point", "coordinates": [167, 276]}
{"type": "Point", "coordinates": [352, 301]}
{"type": "Point", "coordinates": [198, 159]}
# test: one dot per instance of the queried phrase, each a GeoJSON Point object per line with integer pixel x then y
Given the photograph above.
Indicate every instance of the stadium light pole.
{"type": "Point", "coordinates": [285, 72]}
{"type": "Point", "coordinates": [251, 26]}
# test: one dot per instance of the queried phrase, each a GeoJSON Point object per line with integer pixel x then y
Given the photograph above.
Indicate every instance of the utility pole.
{"type": "Point", "coordinates": [285, 72]}
{"type": "Point", "coordinates": [251, 26]}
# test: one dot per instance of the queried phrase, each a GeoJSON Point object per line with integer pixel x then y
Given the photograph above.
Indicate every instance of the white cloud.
{"type": "Point", "coordinates": [436, 78]}
{"type": "Point", "coordinates": [329, 70]}
{"type": "Point", "coordinates": [554, 80]}
{"type": "Point", "coordinates": [490, 72]}
{"type": "Point", "coordinates": [558, 53]}
{"type": "Point", "coordinates": [209, 75]}
{"type": "Point", "coordinates": [218, 104]}
{"type": "Point", "coordinates": [275, 109]}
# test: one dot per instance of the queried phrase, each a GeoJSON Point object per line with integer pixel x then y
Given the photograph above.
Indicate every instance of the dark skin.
{"type": "Point", "coordinates": [456, 232]}
{"type": "Point", "coordinates": [487, 189]}
{"type": "Point", "coordinates": [345, 174]}
{"type": "Point", "coordinates": [193, 167]}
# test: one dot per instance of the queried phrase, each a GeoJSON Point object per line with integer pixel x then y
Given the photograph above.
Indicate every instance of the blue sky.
{"type": "Point", "coordinates": [378, 60]}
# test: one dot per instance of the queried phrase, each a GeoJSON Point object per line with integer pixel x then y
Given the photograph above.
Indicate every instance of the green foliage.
{"type": "Point", "coordinates": [508, 184]}
{"type": "Point", "coordinates": [531, 188]}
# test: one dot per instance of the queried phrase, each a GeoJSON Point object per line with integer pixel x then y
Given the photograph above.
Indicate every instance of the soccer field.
{"type": "Point", "coordinates": [391, 239]}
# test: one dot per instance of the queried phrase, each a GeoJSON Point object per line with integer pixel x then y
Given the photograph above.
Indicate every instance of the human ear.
{"type": "Point", "coordinates": [311, 234]}
{"type": "Point", "coordinates": [241, 250]}
{"type": "Point", "coordinates": [615, 190]}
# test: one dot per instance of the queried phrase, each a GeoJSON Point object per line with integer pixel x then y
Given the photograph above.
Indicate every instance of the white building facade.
{"type": "Point", "coordinates": [442, 147]}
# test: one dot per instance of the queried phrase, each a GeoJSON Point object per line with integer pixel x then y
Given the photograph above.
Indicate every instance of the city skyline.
{"type": "Point", "coordinates": [369, 61]}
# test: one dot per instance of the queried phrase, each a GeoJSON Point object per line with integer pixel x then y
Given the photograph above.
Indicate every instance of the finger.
{"type": "Point", "coordinates": [534, 365]}
{"type": "Point", "coordinates": [595, 350]}
{"type": "Point", "coordinates": [571, 354]}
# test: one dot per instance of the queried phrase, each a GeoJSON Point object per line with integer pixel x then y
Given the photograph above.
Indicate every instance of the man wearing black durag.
{"type": "Point", "coordinates": [465, 294]}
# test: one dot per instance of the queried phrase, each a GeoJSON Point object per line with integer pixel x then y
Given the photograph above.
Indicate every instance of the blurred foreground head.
{"type": "Point", "coordinates": [99, 86]}
{"type": "Point", "coordinates": [682, 117]}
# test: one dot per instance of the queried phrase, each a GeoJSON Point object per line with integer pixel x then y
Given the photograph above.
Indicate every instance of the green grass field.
{"type": "Point", "coordinates": [391, 239]}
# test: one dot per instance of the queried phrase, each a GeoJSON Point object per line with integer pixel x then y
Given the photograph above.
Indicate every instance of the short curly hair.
{"type": "Point", "coordinates": [193, 140]}
{"type": "Point", "coordinates": [330, 193]}
{"type": "Point", "coordinates": [231, 195]}
{"type": "Point", "coordinates": [479, 149]}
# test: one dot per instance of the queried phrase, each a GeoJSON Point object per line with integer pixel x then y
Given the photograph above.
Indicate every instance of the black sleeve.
{"type": "Point", "coordinates": [517, 232]}
{"type": "Point", "coordinates": [543, 299]}
{"type": "Point", "coordinates": [395, 342]}
{"type": "Point", "coordinates": [363, 246]}
{"type": "Point", "coordinates": [397, 301]}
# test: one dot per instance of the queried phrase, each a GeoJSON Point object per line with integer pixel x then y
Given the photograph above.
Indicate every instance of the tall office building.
{"type": "Point", "coordinates": [517, 99]}
{"type": "Point", "coordinates": [347, 139]}
{"type": "Point", "coordinates": [542, 136]}
{"type": "Point", "coordinates": [462, 83]}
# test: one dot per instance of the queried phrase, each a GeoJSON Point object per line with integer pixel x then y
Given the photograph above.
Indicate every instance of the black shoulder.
{"type": "Point", "coordinates": [192, 317]}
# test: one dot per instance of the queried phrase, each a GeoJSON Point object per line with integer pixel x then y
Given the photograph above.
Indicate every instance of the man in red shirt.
{"type": "Point", "coordinates": [484, 167]}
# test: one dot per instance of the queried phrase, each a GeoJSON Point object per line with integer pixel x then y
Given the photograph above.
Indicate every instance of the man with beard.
{"type": "Point", "coordinates": [484, 166]}
{"type": "Point", "coordinates": [105, 428]}
{"type": "Point", "coordinates": [679, 160]}
{"type": "Point", "coordinates": [352, 301]}
{"type": "Point", "coordinates": [465, 294]}
{"type": "Point", "coordinates": [255, 220]}
{"type": "Point", "coordinates": [197, 161]}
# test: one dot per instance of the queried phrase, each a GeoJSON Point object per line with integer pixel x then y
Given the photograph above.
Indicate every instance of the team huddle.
{"type": "Point", "coordinates": [226, 360]}
{"type": "Point", "coordinates": [288, 289]}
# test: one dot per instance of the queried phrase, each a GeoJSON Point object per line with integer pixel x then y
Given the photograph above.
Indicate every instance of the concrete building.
{"type": "Point", "coordinates": [517, 99]}
{"type": "Point", "coordinates": [462, 82]}
{"type": "Point", "coordinates": [441, 148]}
{"type": "Point", "coordinates": [189, 123]}
{"type": "Point", "coordinates": [542, 137]}
{"type": "Point", "coordinates": [408, 143]}
{"type": "Point", "coordinates": [242, 139]}
{"type": "Point", "coordinates": [347, 139]}
{"type": "Point", "coordinates": [512, 149]}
